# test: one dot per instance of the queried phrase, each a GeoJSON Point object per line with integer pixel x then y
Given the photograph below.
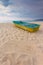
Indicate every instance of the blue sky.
{"type": "Point", "coordinates": [21, 9]}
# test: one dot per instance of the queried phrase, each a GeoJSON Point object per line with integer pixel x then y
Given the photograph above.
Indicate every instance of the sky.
{"type": "Point", "coordinates": [21, 9]}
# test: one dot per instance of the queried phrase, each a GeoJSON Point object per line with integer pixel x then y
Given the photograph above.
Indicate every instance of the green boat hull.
{"type": "Point", "coordinates": [27, 26]}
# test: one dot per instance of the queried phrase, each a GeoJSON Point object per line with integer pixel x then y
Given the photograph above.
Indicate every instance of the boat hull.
{"type": "Point", "coordinates": [27, 26]}
{"type": "Point", "coordinates": [27, 29]}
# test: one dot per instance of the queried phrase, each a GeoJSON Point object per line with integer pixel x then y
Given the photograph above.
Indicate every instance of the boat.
{"type": "Point", "coordinates": [31, 27]}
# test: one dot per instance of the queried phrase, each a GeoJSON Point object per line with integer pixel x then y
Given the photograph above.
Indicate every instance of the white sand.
{"type": "Point", "coordinates": [19, 47]}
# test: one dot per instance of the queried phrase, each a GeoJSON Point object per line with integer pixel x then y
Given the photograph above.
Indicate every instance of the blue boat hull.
{"type": "Point", "coordinates": [27, 26]}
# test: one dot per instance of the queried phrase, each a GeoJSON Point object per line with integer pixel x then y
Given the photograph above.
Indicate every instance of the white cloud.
{"type": "Point", "coordinates": [6, 15]}
{"type": "Point", "coordinates": [4, 10]}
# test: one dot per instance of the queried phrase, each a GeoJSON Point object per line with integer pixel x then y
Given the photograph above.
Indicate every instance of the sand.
{"type": "Point", "coordinates": [19, 47]}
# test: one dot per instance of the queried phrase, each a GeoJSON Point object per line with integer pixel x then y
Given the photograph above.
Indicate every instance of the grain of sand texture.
{"type": "Point", "coordinates": [19, 47]}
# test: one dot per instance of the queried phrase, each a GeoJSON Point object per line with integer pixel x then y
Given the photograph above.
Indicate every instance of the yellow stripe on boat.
{"type": "Point", "coordinates": [27, 26]}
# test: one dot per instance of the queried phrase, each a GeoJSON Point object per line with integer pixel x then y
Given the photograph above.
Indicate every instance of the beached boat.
{"type": "Point", "coordinates": [27, 26]}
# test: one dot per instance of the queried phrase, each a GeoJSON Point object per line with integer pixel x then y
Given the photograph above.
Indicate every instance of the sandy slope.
{"type": "Point", "coordinates": [19, 47]}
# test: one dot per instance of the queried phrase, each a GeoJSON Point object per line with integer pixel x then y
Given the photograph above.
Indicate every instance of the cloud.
{"type": "Point", "coordinates": [5, 2]}
{"type": "Point", "coordinates": [21, 9]}
{"type": "Point", "coordinates": [3, 10]}
{"type": "Point", "coordinates": [7, 14]}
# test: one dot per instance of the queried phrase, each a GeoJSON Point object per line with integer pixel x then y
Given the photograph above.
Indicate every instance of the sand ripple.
{"type": "Point", "coordinates": [19, 47]}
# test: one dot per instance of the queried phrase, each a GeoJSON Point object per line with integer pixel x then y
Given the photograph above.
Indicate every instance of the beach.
{"type": "Point", "coordinates": [19, 47]}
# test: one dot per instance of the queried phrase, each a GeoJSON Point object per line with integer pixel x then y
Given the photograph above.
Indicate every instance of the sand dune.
{"type": "Point", "coordinates": [19, 47]}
